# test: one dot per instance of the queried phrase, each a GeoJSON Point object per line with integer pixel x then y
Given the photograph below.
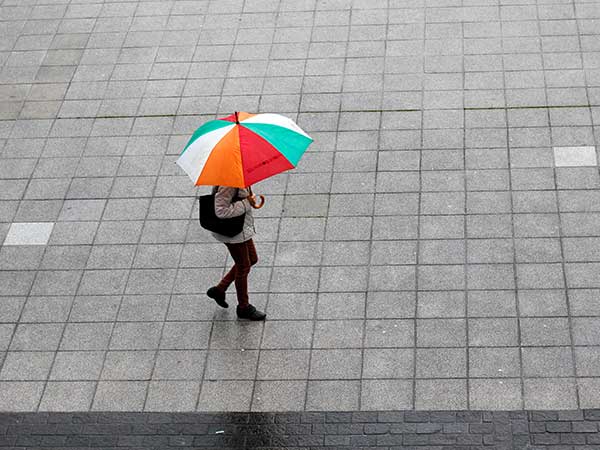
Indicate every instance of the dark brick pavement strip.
{"type": "Point", "coordinates": [440, 430]}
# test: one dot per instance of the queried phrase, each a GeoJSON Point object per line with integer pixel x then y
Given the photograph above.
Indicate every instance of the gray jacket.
{"type": "Point", "coordinates": [226, 207]}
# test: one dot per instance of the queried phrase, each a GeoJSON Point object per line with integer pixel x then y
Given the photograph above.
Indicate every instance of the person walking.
{"type": "Point", "coordinates": [233, 202]}
{"type": "Point", "coordinates": [238, 151]}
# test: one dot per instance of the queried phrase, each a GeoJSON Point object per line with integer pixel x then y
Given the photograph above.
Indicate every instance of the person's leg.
{"type": "Point", "coordinates": [241, 256]}
{"type": "Point", "coordinates": [245, 310]}
{"type": "Point", "coordinates": [244, 256]}
{"type": "Point", "coordinates": [228, 278]}
{"type": "Point", "coordinates": [238, 273]}
{"type": "Point", "coordinates": [217, 293]}
{"type": "Point", "coordinates": [252, 252]}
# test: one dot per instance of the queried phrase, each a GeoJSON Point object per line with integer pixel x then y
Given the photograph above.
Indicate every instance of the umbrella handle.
{"type": "Point", "coordinates": [262, 199]}
{"type": "Point", "coordinates": [262, 202]}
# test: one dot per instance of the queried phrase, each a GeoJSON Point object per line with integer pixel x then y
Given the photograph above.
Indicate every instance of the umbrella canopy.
{"type": "Point", "coordinates": [242, 149]}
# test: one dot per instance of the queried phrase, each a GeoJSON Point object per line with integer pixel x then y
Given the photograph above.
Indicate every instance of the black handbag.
{"type": "Point", "coordinates": [209, 221]}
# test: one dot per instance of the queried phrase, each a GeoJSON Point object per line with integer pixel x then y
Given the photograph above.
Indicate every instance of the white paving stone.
{"type": "Point", "coordinates": [30, 233]}
{"type": "Point", "coordinates": [575, 156]}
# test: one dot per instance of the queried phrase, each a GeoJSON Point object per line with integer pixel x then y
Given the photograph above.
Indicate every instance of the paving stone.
{"type": "Point", "coordinates": [489, 251]}
{"type": "Point", "coordinates": [120, 395]}
{"type": "Point", "coordinates": [542, 303]}
{"type": "Point", "coordinates": [440, 394]}
{"type": "Point", "coordinates": [388, 363]}
{"type": "Point", "coordinates": [489, 226]}
{"type": "Point", "coordinates": [356, 228]}
{"type": "Point", "coordinates": [495, 394]}
{"type": "Point", "coordinates": [29, 366]}
{"type": "Point", "coordinates": [28, 234]}
{"type": "Point", "coordinates": [576, 178]}
{"type": "Point", "coordinates": [442, 227]}
{"type": "Point", "coordinates": [441, 251]}
{"type": "Point", "coordinates": [73, 366]}
{"type": "Point", "coordinates": [86, 336]}
{"type": "Point", "coordinates": [46, 309]}
{"type": "Point", "coordinates": [21, 257]}
{"type": "Point", "coordinates": [389, 333]}
{"type": "Point", "coordinates": [65, 257]}
{"type": "Point", "coordinates": [447, 363]}
{"type": "Point", "coordinates": [394, 227]}
{"type": "Point", "coordinates": [67, 396]}
{"type": "Point", "coordinates": [282, 364]}
{"type": "Point", "coordinates": [537, 250]}
{"type": "Point", "coordinates": [103, 282]}
{"type": "Point", "coordinates": [493, 332]}
{"type": "Point", "coordinates": [73, 233]}
{"type": "Point", "coordinates": [536, 225]}
{"type": "Point", "coordinates": [390, 305]}
{"type": "Point", "coordinates": [291, 306]}
{"type": "Point", "coordinates": [231, 364]}
{"type": "Point", "coordinates": [575, 156]}
{"type": "Point", "coordinates": [11, 308]}
{"type": "Point", "coordinates": [78, 210]}
{"type": "Point", "coordinates": [588, 389]}
{"type": "Point", "coordinates": [56, 282]}
{"type": "Point", "coordinates": [111, 256]}
{"type": "Point", "coordinates": [119, 232]}
{"type": "Point", "coordinates": [544, 331]}
{"type": "Point", "coordinates": [441, 277]}
{"type": "Point", "coordinates": [227, 335]}
{"type": "Point", "coordinates": [488, 276]}
{"type": "Point", "coordinates": [95, 308]}
{"type": "Point", "coordinates": [386, 394]}
{"type": "Point", "coordinates": [283, 279]}
{"type": "Point", "coordinates": [399, 278]}
{"type": "Point", "coordinates": [489, 202]}
{"type": "Point", "coordinates": [278, 396]}
{"type": "Point", "coordinates": [343, 278]}
{"type": "Point", "coordinates": [337, 306]}
{"type": "Point", "coordinates": [187, 307]}
{"type": "Point", "coordinates": [128, 365]}
{"type": "Point", "coordinates": [583, 331]}
{"type": "Point", "coordinates": [150, 281]}
{"type": "Point", "coordinates": [549, 393]}
{"type": "Point", "coordinates": [20, 395]}
{"type": "Point", "coordinates": [179, 364]}
{"type": "Point", "coordinates": [335, 364]}
{"type": "Point", "coordinates": [332, 395]}
{"type": "Point", "coordinates": [287, 335]}
{"type": "Point", "coordinates": [298, 254]}
{"type": "Point", "coordinates": [494, 362]}
{"type": "Point", "coordinates": [172, 396]}
{"type": "Point", "coordinates": [40, 337]}
{"type": "Point", "coordinates": [441, 332]}
{"type": "Point", "coordinates": [587, 360]}
{"type": "Point", "coordinates": [441, 304]}
{"type": "Point", "coordinates": [226, 396]}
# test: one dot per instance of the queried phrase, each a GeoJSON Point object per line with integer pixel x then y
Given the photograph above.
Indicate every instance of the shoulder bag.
{"type": "Point", "coordinates": [208, 218]}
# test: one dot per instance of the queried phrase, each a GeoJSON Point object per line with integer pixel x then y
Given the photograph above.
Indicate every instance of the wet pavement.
{"type": "Point", "coordinates": [437, 248]}
{"type": "Point", "coordinates": [273, 431]}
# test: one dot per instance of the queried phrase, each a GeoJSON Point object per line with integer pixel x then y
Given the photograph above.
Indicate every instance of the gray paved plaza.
{"type": "Point", "coordinates": [438, 246]}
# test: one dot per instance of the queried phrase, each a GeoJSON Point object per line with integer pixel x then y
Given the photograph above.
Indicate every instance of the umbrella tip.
{"type": "Point", "coordinates": [237, 120]}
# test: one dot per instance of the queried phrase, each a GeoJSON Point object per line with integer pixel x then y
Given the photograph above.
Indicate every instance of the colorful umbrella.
{"type": "Point", "coordinates": [242, 149]}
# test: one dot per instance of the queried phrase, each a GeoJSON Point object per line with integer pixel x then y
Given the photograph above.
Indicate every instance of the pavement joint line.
{"type": "Point", "coordinates": [469, 400]}
{"type": "Point", "coordinates": [316, 305]}
{"type": "Point", "coordinates": [466, 108]}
